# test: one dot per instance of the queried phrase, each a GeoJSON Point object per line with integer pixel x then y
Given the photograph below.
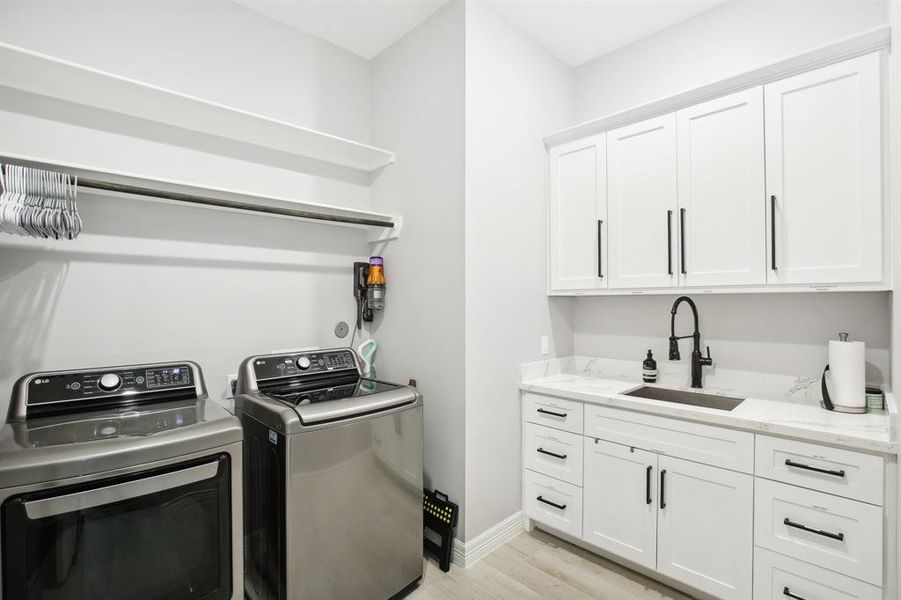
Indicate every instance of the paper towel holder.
{"type": "Point", "coordinates": [827, 401]}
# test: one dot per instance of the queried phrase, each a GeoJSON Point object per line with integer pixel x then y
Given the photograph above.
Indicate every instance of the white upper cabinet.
{"type": "Point", "coordinates": [722, 211]}
{"type": "Point", "coordinates": [641, 193]}
{"type": "Point", "coordinates": [578, 214]}
{"type": "Point", "coordinates": [776, 187]}
{"type": "Point", "coordinates": [823, 174]}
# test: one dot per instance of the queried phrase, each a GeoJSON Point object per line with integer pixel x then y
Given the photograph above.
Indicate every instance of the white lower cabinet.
{"type": "Point", "coordinates": [690, 502]}
{"type": "Point", "coordinates": [620, 513]}
{"type": "Point", "coordinates": [779, 577]}
{"type": "Point", "coordinates": [553, 502]}
{"type": "Point", "coordinates": [836, 533]}
{"type": "Point", "coordinates": [705, 527]}
{"type": "Point", "coordinates": [688, 521]}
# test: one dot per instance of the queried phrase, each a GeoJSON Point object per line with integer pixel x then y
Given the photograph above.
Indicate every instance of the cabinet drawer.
{"type": "Point", "coordinates": [836, 533]}
{"type": "Point", "coordinates": [833, 470]}
{"type": "Point", "coordinates": [553, 452]}
{"type": "Point", "coordinates": [776, 576]}
{"type": "Point", "coordinates": [553, 412]}
{"type": "Point", "coordinates": [553, 502]}
{"type": "Point", "coordinates": [705, 444]}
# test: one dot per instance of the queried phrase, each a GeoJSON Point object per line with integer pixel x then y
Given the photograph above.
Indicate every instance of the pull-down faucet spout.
{"type": "Point", "coordinates": [697, 361]}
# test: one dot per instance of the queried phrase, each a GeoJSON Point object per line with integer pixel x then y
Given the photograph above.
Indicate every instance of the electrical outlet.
{"type": "Point", "coordinates": [545, 345]}
{"type": "Point", "coordinates": [230, 381]}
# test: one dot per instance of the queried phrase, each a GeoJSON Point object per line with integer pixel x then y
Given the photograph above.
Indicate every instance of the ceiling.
{"type": "Point", "coordinates": [364, 27]}
{"type": "Point", "coordinates": [575, 31]}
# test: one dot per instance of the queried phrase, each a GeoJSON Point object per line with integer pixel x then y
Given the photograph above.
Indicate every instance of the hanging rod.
{"type": "Point", "coordinates": [221, 203]}
{"type": "Point", "coordinates": [202, 196]}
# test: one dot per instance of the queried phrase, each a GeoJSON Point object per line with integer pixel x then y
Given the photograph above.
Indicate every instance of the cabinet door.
{"type": "Point", "coordinates": [619, 501]}
{"type": "Point", "coordinates": [722, 208]}
{"type": "Point", "coordinates": [823, 172]}
{"type": "Point", "coordinates": [705, 527]}
{"type": "Point", "coordinates": [641, 191]}
{"type": "Point", "coordinates": [578, 215]}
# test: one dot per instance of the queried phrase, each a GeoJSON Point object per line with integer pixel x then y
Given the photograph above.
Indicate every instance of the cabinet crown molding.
{"type": "Point", "coordinates": [870, 40]}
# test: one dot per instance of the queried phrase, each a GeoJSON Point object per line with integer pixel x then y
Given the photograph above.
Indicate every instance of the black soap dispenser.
{"type": "Point", "coordinates": [649, 369]}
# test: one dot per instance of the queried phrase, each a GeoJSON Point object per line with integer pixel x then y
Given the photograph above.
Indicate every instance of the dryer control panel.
{"type": "Point", "coordinates": [58, 392]}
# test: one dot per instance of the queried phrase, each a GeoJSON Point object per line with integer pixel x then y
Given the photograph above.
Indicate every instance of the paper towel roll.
{"type": "Point", "coordinates": [847, 369]}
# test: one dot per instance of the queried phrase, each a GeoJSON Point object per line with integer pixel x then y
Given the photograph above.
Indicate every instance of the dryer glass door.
{"type": "Point", "coordinates": [163, 533]}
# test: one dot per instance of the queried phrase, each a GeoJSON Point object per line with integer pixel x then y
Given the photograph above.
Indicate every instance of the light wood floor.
{"type": "Point", "coordinates": [537, 565]}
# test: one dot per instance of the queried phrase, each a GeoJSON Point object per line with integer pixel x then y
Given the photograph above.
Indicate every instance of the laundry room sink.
{"type": "Point", "coordinates": [689, 398]}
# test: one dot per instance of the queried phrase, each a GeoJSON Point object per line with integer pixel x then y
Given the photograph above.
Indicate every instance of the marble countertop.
{"type": "Point", "coordinates": [793, 413]}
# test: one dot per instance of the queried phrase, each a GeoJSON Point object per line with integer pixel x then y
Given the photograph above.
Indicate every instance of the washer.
{"type": "Point", "coordinates": [121, 483]}
{"type": "Point", "coordinates": [333, 488]}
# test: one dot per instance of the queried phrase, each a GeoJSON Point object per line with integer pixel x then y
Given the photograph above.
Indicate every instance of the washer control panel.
{"type": "Point", "coordinates": [68, 387]}
{"type": "Point", "coordinates": [303, 363]}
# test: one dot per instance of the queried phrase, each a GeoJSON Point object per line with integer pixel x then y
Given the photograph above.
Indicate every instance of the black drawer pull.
{"type": "Point", "coordinates": [682, 240]}
{"type": "Point", "coordinates": [835, 536]}
{"type": "Point", "coordinates": [663, 489]}
{"type": "Point", "coordinates": [554, 504]}
{"type": "Point", "coordinates": [647, 486]}
{"type": "Point", "coordinates": [552, 413]}
{"type": "Point", "coordinates": [554, 454]}
{"type": "Point", "coordinates": [790, 463]}
{"type": "Point", "coordinates": [788, 592]}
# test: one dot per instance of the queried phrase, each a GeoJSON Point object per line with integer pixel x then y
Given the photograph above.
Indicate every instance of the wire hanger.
{"type": "Point", "coordinates": [38, 203]}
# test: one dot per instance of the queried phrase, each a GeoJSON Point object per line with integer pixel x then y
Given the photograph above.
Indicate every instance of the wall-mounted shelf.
{"type": "Point", "coordinates": [113, 182]}
{"type": "Point", "coordinates": [43, 75]}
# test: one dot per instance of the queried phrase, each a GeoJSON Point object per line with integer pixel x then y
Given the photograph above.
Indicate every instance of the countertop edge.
{"type": "Point", "coordinates": [708, 417]}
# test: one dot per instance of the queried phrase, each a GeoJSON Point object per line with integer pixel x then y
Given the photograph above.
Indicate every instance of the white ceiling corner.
{"type": "Point", "coordinates": [577, 31]}
{"type": "Point", "coordinates": [363, 27]}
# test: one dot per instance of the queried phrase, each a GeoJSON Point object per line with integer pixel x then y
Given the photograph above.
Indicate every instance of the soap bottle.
{"type": "Point", "coordinates": [649, 369]}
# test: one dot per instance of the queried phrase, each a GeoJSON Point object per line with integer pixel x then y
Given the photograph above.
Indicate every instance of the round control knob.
{"type": "Point", "coordinates": [303, 363]}
{"type": "Point", "coordinates": [109, 382]}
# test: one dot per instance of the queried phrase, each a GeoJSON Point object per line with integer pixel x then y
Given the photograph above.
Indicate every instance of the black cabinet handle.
{"type": "Point", "coordinates": [669, 242]}
{"type": "Point", "coordinates": [554, 454]}
{"type": "Point", "coordinates": [554, 504]}
{"type": "Point", "coordinates": [773, 233]}
{"type": "Point", "coordinates": [835, 536]}
{"type": "Point", "coordinates": [663, 489]}
{"type": "Point", "coordinates": [682, 240]}
{"type": "Point", "coordinates": [788, 592]}
{"type": "Point", "coordinates": [600, 270]}
{"type": "Point", "coordinates": [647, 486]}
{"type": "Point", "coordinates": [552, 413]}
{"type": "Point", "coordinates": [790, 463]}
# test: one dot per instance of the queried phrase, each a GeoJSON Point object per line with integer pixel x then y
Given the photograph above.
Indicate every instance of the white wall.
{"type": "Point", "coordinates": [732, 38]}
{"type": "Point", "coordinates": [771, 333]}
{"type": "Point", "coordinates": [515, 94]}
{"type": "Point", "coordinates": [150, 281]}
{"type": "Point", "coordinates": [784, 333]}
{"type": "Point", "coordinates": [418, 111]}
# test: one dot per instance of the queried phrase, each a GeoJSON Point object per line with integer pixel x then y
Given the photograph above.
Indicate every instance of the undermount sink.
{"type": "Point", "coordinates": [690, 398]}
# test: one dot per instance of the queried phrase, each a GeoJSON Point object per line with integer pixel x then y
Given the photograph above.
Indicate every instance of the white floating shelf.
{"type": "Point", "coordinates": [119, 183]}
{"type": "Point", "coordinates": [44, 75]}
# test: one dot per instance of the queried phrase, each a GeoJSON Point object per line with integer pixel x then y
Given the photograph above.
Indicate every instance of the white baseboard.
{"type": "Point", "coordinates": [469, 553]}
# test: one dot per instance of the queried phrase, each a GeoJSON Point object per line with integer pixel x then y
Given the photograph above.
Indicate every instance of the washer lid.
{"type": "Point", "coordinates": [341, 398]}
{"type": "Point", "coordinates": [63, 446]}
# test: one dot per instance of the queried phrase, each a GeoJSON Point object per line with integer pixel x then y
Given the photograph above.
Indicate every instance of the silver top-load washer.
{"type": "Point", "coordinates": [333, 487]}
{"type": "Point", "coordinates": [120, 483]}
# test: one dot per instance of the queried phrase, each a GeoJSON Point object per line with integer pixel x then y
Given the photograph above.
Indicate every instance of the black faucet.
{"type": "Point", "coordinates": [697, 361]}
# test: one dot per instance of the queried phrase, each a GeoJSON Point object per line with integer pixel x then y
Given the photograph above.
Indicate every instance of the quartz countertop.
{"type": "Point", "coordinates": [793, 413]}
